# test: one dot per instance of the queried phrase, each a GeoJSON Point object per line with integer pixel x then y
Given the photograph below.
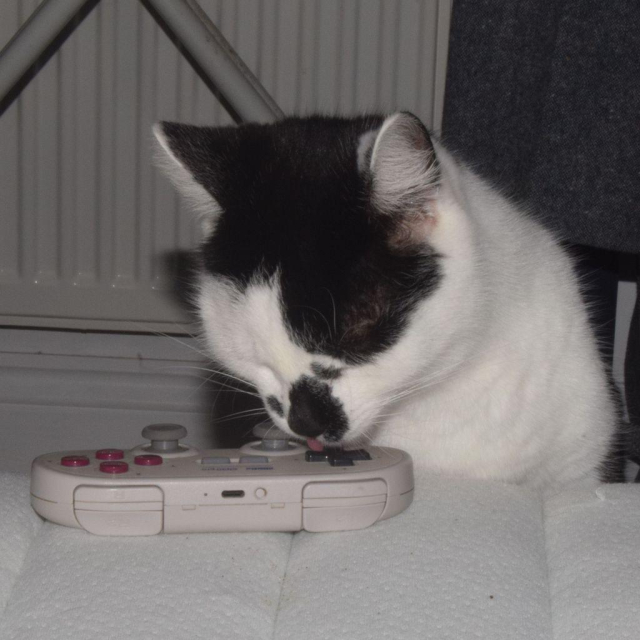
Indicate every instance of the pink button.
{"type": "Point", "coordinates": [148, 460]}
{"type": "Point", "coordinates": [110, 454]}
{"type": "Point", "coordinates": [114, 467]}
{"type": "Point", "coordinates": [74, 461]}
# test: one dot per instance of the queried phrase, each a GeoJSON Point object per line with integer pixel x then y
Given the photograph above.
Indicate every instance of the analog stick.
{"type": "Point", "coordinates": [165, 438]}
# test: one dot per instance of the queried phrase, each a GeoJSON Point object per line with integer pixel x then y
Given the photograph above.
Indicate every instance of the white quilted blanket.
{"type": "Point", "coordinates": [467, 560]}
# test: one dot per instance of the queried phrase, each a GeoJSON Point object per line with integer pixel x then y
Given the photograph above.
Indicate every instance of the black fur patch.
{"type": "Point", "coordinates": [326, 373]}
{"type": "Point", "coordinates": [275, 405]}
{"type": "Point", "coordinates": [296, 207]}
{"type": "Point", "coordinates": [315, 411]}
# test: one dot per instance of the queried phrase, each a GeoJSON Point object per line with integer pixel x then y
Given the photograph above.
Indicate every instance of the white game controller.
{"type": "Point", "coordinates": [272, 484]}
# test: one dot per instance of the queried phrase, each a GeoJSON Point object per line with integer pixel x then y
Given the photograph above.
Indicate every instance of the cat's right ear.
{"type": "Point", "coordinates": [401, 161]}
{"type": "Point", "coordinates": [187, 155]}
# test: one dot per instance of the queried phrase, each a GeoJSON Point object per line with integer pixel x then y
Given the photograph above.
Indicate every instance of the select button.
{"type": "Point", "coordinates": [215, 460]}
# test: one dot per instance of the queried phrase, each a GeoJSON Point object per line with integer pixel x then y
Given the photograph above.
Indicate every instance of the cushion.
{"type": "Point", "coordinates": [467, 559]}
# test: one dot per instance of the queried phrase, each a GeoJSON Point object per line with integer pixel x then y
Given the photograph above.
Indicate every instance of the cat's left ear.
{"type": "Point", "coordinates": [402, 163]}
{"type": "Point", "coordinates": [190, 156]}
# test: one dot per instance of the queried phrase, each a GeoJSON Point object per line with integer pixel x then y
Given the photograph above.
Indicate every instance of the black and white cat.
{"type": "Point", "coordinates": [369, 286]}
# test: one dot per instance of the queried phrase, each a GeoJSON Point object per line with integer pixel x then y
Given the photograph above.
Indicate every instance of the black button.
{"type": "Point", "coordinates": [337, 457]}
{"type": "Point", "coordinates": [340, 461]}
{"type": "Point", "coordinates": [316, 456]}
{"type": "Point", "coordinates": [357, 454]}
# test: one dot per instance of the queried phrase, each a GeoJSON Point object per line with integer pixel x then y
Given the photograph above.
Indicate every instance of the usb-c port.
{"type": "Point", "coordinates": [233, 494]}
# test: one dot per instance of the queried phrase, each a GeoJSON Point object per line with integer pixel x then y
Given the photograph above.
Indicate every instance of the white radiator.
{"type": "Point", "coordinates": [87, 225]}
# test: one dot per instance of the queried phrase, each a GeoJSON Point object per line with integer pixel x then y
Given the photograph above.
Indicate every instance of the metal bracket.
{"type": "Point", "coordinates": [198, 36]}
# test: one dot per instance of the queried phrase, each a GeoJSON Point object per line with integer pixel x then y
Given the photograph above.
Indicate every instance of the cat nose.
{"type": "Point", "coordinates": [310, 412]}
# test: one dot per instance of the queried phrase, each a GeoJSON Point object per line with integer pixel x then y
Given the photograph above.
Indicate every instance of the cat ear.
{"type": "Point", "coordinates": [403, 166]}
{"type": "Point", "coordinates": [188, 155]}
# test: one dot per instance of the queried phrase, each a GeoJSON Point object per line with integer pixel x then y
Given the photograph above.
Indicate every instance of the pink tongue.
{"type": "Point", "coordinates": [314, 445]}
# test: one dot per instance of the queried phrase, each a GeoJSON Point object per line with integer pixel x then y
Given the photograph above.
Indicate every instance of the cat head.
{"type": "Point", "coordinates": [323, 263]}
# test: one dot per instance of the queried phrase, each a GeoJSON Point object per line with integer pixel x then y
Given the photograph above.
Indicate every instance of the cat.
{"type": "Point", "coordinates": [374, 289]}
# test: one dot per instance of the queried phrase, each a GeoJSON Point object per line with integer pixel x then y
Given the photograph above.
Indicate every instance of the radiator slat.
{"type": "Point", "coordinates": [89, 229]}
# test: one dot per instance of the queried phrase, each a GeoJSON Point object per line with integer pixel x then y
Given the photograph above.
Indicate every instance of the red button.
{"type": "Point", "coordinates": [110, 454]}
{"type": "Point", "coordinates": [114, 467]}
{"type": "Point", "coordinates": [148, 460]}
{"type": "Point", "coordinates": [74, 461]}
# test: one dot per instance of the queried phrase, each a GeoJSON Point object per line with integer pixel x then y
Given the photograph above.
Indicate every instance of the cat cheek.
{"type": "Point", "coordinates": [266, 376]}
{"type": "Point", "coordinates": [269, 383]}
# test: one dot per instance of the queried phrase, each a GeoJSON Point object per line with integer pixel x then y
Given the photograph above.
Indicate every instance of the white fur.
{"type": "Point", "coordinates": [402, 171]}
{"type": "Point", "coordinates": [247, 334]}
{"type": "Point", "coordinates": [497, 375]}
{"type": "Point", "coordinates": [367, 140]}
{"type": "Point", "coordinates": [516, 390]}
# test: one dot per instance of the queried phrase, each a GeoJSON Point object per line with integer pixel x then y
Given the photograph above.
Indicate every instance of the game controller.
{"type": "Point", "coordinates": [271, 484]}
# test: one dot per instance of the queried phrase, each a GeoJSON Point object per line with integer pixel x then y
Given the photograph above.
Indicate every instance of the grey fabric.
{"type": "Point", "coordinates": [543, 98]}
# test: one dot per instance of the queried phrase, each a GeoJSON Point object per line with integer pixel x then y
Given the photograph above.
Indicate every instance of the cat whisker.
{"type": "Point", "coordinates": [302, 306]}
{"type": "Point", "coordinates": [249, 430]}
{"type": "Point", "coordinates": [333, 302]}
{"type": "Point", "coordinates": [368, 437]}
{"type": "Point", "coordinates": [218, 372]}
{"type": "Point", "coordinates": [441, 376]}
{"type": "Point", "coordinates": [241, 414]}
{"type": "Point", "coordinates": [180, 342]}
{"type": "Point", "coordinates": [435, 378]}
{"type": "Point", "coordinates": [226, 374]}
{"type": "Point", "coordinates": [212, 378]}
